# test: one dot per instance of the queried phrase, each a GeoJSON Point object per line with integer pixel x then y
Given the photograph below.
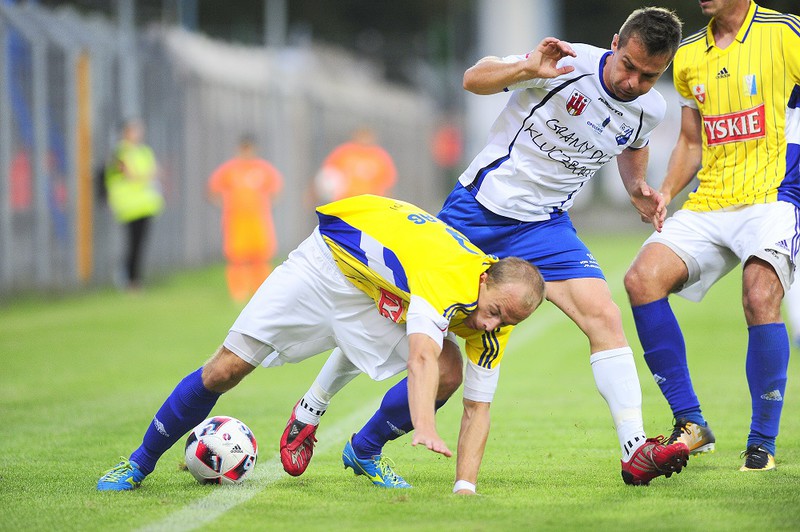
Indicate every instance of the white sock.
{"type": "Point", "coordinates": [334, 375]}
{"type": "Point", "coordinates": [313, 405]}
{"type": "Point", "coordinates": [616, 378]}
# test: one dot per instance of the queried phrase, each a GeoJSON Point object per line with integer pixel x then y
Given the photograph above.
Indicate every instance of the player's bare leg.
{"type": "Point", "coordinates": [189, 403]}
{"type": "Point", "coordinates": [587, 301]}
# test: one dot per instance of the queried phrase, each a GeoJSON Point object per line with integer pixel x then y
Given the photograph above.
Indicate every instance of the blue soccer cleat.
{"type": "Point", "coordinates": [378, 468]}
{"type": "Point", "coordinates": [123, 476]}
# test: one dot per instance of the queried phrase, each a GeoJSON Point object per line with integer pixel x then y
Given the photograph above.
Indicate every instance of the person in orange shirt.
{"type": "Point", "coordinates": [356, 167]}
{"type": "Point", "coordinates": [245, 187]}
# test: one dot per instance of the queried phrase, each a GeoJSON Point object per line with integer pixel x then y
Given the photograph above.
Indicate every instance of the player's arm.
{"type": "Point", "coordinates": [472, 438]}
{"type": "Point", "coordinates": [687, 155]}
{"type": "Point", "coordinates": [491, 74]}
{"type": "Point", "coordinates": [423, 382]}
{"type": "Point", "coordinates": [632, 164]}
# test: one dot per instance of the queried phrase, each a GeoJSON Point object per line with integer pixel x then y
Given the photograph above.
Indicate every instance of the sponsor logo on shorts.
{"type": "Point", "coordinates": [735, 127]}
{"type": "Point", "coordinates": [590, 262]}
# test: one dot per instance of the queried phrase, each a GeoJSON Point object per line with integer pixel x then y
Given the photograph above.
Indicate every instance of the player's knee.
{"type": "Point", "coordinates": [635, 283]}
{"type": "Point", "coordinates": [762, 305]}
{"type": "Point", "coordinates": [609, 316]}
{"type": "Point", "coordinates": [224, 371]}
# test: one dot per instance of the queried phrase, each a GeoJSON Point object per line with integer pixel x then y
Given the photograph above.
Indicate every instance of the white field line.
{"type": "Point", "coordinates": [223, 498]}
{"type": "Point", "coordinates": [212, 506]}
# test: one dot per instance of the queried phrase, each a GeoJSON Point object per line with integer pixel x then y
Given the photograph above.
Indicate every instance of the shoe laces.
{"type": "Point", "coordinates": [294, 442]}
{"type": "Point", "coordinates": [385, 465]}
{"type": "Point", "coordinates": [119, 471]}
{"type": "Point", "coordinates": [753, 449]}
{"type": "Point", "coordinates": [678, 429]}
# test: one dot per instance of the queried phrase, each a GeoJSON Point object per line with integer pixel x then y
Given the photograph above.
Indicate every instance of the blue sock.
{"type": "Point", "coordinates": [665, 354]}
{"type": "Point", "coordinates": [767, 363]}
{"type": "Point", "coordinates": [392, 420]}
{"type": "Point", "coordinates": [188, 404]}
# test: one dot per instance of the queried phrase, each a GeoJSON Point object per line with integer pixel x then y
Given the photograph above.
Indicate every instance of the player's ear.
{"type": "Point", "coordinates": [615, 42]}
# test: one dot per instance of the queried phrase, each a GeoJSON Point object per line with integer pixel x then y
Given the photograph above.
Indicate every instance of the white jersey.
{"type": "Point", "coordinates": [553, 135]}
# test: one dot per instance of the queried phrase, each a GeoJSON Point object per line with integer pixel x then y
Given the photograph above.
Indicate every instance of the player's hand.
{"type": "Point", "coordinates": [651, 205]}
{"type": "Point", "coordinates": [432, 441]}
{"type": "Point", "coordinates": [541, 62]}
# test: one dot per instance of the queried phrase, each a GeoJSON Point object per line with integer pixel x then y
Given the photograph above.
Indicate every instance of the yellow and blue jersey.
{"type": "Point", "coordinates": [748, 96]}
{"type": "Point", "coordinates": [396, 252]}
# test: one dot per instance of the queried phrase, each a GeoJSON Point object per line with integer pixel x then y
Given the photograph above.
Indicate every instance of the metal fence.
{"type": "Point", "coordinates": [69, 80]}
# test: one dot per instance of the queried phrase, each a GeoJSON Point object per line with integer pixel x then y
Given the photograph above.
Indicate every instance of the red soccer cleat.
{"type": "Point", "coordinates": [297, 445]}
{"type": "Point", "coordinates": [654, 459]}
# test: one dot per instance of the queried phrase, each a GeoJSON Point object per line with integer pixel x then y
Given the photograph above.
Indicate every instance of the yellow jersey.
{"type": "Point", "coordinates": [748, 96]}
{"type": "Point", "coordinates": [402, 256]}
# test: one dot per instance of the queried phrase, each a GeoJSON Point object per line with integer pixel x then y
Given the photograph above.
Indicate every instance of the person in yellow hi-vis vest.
{"type": "Point", "coordinates": [133, 194]}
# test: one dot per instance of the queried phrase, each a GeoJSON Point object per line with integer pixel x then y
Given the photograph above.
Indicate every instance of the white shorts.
{"type": "Point", "coordinates": [712, 243]}
{"type": "Point", "coordinates": [305, 307]}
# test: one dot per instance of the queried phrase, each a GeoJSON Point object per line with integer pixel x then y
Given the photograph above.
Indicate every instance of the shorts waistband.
{"type": "Point", "coordinates": [325, 251]}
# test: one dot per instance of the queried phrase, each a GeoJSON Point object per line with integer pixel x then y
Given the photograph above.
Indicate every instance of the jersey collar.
{"type": "Point", "coordinates": [744, 31]}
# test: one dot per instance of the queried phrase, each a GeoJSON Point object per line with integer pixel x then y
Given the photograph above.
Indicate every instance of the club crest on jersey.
{"type": "Point", "coordinates": [733, 127]}
{"type": "Point", "coordinates": [750, 86]}
{"type": "Point", "coordinates": [699, 92]}
{"type": "Point", "coordinates": [625, 136]}
{"type": "Point", "coordinates": [390, 306]}
{"type": "Point", "coordinates": [577, 102]}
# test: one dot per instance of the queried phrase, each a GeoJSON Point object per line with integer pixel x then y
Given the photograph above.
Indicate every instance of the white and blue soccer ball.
{"type": "Point", "coordinates": [221, 450]}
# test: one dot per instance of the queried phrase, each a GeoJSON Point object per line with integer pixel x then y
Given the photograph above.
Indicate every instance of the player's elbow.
{"type": "Point", "coordinates": [475, 83]}
{"type": "Point", "coordinates": [468, 82]}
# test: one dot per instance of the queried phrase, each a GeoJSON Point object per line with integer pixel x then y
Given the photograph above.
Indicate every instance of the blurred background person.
{"type": "Point", "coordinates": [359, 166]}
{"type": "Point", "coordinates": [245, 187]}
{"type": "Point", "coordinates": [134, 194]}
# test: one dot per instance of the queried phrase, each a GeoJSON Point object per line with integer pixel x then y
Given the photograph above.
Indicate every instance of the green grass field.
{"type": "Point", "coordinates": [82, 375]}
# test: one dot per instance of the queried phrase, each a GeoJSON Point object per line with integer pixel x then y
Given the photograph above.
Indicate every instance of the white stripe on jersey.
{"type": "Point", "coordinates": [374, 252]}
{"type": "Point", "coordinates": [553, 135]}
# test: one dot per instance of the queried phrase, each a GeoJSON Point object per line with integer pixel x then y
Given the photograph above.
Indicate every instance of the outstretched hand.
{"type": "Point", "coordinates": [542, 61]}
{"type": "Point", "coordinates": [432, 441]}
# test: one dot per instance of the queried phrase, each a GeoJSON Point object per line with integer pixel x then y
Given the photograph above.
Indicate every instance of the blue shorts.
{"type": "Point", "coordinates": [551, 245]}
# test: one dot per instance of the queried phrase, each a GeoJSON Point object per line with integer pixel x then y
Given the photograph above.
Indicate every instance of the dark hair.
{"type": "Point", "coordinates": [517, 270]}
{"type": "Point", "coordinates": [658, 29]}
{"type": "Point", "coordinates": [247, 139]}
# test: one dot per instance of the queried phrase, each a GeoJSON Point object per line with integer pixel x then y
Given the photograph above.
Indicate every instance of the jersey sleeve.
{"type": "Point", "coordinates": [480, 383]}
{"type": "Point", "coordinates": [679, 78]}
{"type": "Point", "coordinates": [792, 48]}
{"type": "Point", "coordinates": [216, 183]}
{"type": "Point", "coordinates": [527, 84]}
{"type": "Point", "coordinates": [275, 179]}
{"type": "Point", "coordinates": [484, 354]}
{"type": "Point", "coordinates": [423, 318]}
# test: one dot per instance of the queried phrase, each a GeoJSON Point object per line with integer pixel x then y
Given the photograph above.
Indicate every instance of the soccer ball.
{"type": "Point", "coordinates": [221, 450]}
